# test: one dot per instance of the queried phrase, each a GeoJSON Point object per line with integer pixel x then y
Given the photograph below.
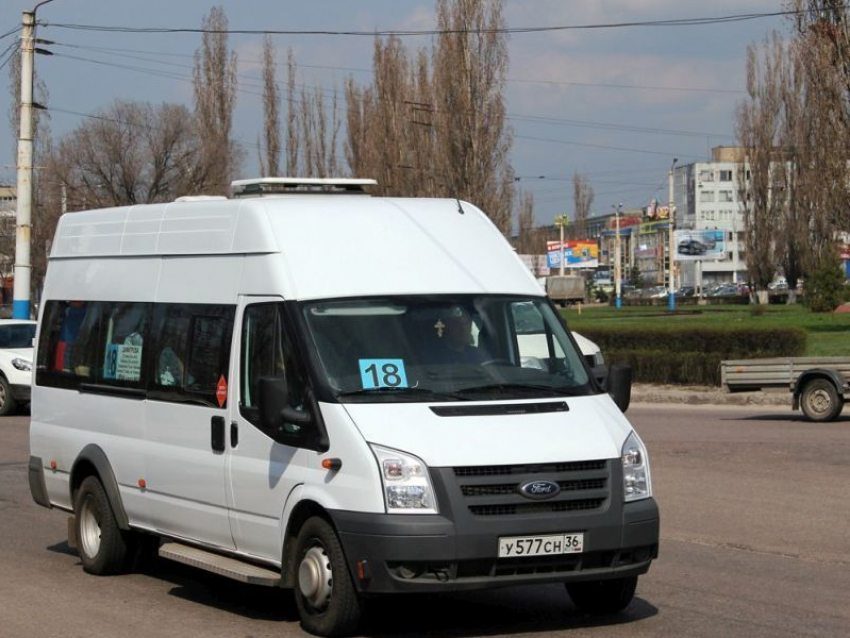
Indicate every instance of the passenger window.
{"type": "Point", "coordinates": [71, 350]}
{"type": "Point", "coordinates": [126, 328]}
{"type": "Point", "coordinates": [191, 353]}
{"type": "Point", "coordinates": [267, 352]}
{"type": "Point", "coordinates": [535, 344]}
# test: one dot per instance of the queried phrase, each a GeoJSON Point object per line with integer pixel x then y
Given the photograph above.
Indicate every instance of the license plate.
{"type": "Point", "coordinates": [515, 546]}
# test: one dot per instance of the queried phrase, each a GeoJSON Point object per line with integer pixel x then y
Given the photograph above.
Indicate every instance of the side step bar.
{"type": "Point", "coordinates": [221, 565]}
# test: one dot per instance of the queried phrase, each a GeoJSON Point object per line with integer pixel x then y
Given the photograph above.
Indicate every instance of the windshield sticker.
{"type": "Point", "coordinates": [382, 373]}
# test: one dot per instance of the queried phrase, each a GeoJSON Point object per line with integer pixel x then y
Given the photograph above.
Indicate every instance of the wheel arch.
{"type": "Point", "coordinates": [92, 461]}
{"type": "Point", "coordinates": [833, 376]}
{"type": "Point", "coordinates": [300, 508]}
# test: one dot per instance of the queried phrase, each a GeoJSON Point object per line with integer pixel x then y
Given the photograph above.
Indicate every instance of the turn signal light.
{"type": "Point", "coordinates": [53, 465]}
{"type": "Point", "coordinates": [332, 464]}
{"type": "Point", "coordinates": [143, 483]}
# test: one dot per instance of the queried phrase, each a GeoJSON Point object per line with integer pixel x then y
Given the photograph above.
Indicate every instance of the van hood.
{"type": "Point", "coordinates": [592, 428]}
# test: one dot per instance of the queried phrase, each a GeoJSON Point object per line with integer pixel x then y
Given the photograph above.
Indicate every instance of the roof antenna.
{"type": "Point", "coordinates": [459, 207]}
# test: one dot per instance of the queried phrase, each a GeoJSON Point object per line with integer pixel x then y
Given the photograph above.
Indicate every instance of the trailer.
{"type": "Point", "coordinates": [565, 289]}
{"type": "Point", "coordinates": [820, 385]}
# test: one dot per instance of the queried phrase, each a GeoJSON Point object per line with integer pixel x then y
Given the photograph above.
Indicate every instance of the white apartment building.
{"type": "Point", "coordinates": [707, 195]}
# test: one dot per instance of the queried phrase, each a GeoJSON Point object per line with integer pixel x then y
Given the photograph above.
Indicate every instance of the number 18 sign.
{"type": "Point", "coordinates": [382, 373]}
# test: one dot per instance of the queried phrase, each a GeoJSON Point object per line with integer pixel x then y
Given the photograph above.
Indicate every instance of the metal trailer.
{"type": "Point", "coordinates": [820, 385]}
{"type": "Point", "coordinates": [565, 289]}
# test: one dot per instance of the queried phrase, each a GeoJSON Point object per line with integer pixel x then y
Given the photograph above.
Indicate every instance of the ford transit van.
{"type": "Point", "coordinates": [308, 387]}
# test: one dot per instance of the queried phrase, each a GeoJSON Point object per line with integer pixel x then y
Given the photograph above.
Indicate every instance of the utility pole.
{"type": "Point", "coordinates": [671, 217]}
{"type": "Point", "coordinates": [23, 224]}
{"type": "Point", "coordinates": [561, 221]}
{"type": "Point", "coordinates": [618, 301]}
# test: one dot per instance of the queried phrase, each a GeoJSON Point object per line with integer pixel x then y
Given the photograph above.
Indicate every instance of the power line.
{"type": "Point", "coordinates": [630, 86]}
{"type": "Point", "coordinates": [11, 32]}
{"type": "Point", "coordinates": [517, 117]}
{"type": "Point", "coordinates": [602, 146]}
{"type": "Point", "coordinates": [12, 51]}
{"type": "Point", "coordinates": [674, 22]}
{"type": "Point", "coordinates": [641, 87]}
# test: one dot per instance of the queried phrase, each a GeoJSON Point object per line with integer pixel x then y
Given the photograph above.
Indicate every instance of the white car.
{"type": "Point", "coordinates": [15, 363]}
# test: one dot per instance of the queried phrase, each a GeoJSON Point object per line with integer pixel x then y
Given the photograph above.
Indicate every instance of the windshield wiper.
{"type": "Point", "coordinates": [509, 387]}
{"type": "Point", "coordinates": [401, 392]}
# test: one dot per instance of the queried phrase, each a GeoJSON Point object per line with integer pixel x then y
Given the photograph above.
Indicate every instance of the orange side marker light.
{"type": "Point", "coordinates": [332, 464]}
{"type": "Point", "coordinates": [143, 483]}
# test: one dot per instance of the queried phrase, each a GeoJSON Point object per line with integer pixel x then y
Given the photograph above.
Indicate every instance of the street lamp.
{"type": "Point", "coordinates": [671, 217]}
{"type": "Point", "coordinates": [562, 221]}
{"type": "Point", "coordinates": [618, 301]}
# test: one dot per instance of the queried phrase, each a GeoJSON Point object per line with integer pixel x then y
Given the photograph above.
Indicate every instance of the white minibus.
{"type": "Point", "coordinates": [307, 387]}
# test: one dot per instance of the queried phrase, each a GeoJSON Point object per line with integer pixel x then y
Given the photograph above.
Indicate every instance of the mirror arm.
{"type": "Point", "coordinates": [296, 417]}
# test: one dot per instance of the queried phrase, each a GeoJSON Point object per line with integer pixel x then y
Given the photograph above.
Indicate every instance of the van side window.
{"type": "Point", "coordinates": [267, 352]}
{"type": "Point", "coordinates": [126, 328]}
{"type": "Point", "coordinates": [71, 349]}
{"type": "Point", "coordinates": [191, 352]}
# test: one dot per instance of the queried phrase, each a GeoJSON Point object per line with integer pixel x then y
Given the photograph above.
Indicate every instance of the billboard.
{"type": "Point", "coordinates": [700, 245]}
{"type": "Point", "coordinates": [576, 254]}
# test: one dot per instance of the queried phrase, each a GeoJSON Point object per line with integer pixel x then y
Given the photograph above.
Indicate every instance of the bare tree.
{"type": "Point", "coordinates": [758, 128]}
{"type": "Point", "coordinates": [270, 159]}
{"type": "Point", "coordinates": [526, 237]}
{"type": "Point", "coordinates": [583, 200]}
{"type": "Point", "coordinates": [291, 117]}
{"type": "Point", "coordinates": [434, 125]}
{"type": "Point", "coordinates": [214, 82]}
{"type": "Point", "coordinates": [473, 141]}
{"type": "Point", "coordinates": [130, 153]}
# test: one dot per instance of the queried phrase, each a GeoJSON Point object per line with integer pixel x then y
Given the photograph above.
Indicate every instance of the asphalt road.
{"type": "Point", "coordinates": [755, 542]}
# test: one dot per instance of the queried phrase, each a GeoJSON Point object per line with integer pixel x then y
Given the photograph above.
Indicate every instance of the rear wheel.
{"type": "Point", "coordinates": [8, 405]}
{"type": "Point", "coordinates": [820, 400]}
{"type": "Point", "coordinates": [103, 547]}
{"type": "Point", "coordinates": [324, 592]}
{"type": "Point", "coordinates": [601, 597]}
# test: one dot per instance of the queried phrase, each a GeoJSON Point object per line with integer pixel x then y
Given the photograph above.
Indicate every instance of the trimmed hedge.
{"type": "Point", "coordinates": [691, 356]}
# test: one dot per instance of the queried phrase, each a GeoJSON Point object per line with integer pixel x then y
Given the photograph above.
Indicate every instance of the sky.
{"type": "Point", "coordinates": [616, 104]}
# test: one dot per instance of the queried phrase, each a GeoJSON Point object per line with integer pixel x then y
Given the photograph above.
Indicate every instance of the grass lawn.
{"type": "Point", "coordinates": [828, 334]}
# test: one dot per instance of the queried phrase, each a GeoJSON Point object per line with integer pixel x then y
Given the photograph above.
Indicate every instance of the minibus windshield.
{"type": "Point", "coordinates": [441, 348]}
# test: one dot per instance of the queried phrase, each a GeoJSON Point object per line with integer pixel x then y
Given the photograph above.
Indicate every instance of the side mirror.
{"type": "Point", "coordinates": [276, 414]}
{"type": "Point", "coordinates": [620, 385]}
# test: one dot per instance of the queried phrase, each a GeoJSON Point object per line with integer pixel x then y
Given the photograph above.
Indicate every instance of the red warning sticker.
{"type": "Point", "coordinates": [221, 391]}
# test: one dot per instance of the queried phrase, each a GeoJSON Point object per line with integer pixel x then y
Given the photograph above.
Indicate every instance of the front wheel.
{"type": "Point", "coordinates": [324, 592]}
{"type": "Point", "coordinates": [820, 400]}
{"type": "Point", "coordinates": [8, 405]}
{"type": "Point", "coordinates": [602, 597]}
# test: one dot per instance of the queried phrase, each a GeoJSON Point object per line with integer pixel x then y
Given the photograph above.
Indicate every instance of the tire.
{"type": "Point", "coordinates": [8, 405]}
{"type": "Point", "coordinates": [104, 549]}
{"type": "Point", "coordinates": [325, 596]}
{"type": "Point", "coordinates": [820, 400]}
{"type": "Point", "coordinates": [602, 597]}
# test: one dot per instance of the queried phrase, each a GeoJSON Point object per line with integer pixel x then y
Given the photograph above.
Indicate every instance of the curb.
{"type": "Point", "coordinates": [704, 395]}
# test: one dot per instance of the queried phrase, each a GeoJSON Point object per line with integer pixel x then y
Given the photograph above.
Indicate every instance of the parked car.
{"type": "Point", "coordinates": [725, 290]}
{"type": "Point", "coordinates": [655, 292]}
{"type": "Point", "coordinates": [691, 247]}
{"type": "Point", "coordinates": [686, 291]}
{"type": "Point", "coordinates": [15, 363]}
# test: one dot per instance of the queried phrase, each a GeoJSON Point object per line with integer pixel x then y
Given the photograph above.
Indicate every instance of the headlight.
{"type": "Point", "coordinates": [407, 486]}
{"type": "Point", "coordinates": [637, 483]}
{"type": "Point", "coordinates": [22, 364]}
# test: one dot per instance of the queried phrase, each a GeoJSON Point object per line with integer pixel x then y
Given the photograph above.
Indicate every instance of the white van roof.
{"type": "Point", "coordinates": [328, 245]}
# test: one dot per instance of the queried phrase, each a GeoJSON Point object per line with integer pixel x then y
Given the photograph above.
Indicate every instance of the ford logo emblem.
{"type": "Point", "coordinates": [539, 490]}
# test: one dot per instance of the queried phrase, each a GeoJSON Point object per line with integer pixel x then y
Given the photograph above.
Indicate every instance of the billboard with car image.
{"type": "Point", "coordinates": [700, 245]}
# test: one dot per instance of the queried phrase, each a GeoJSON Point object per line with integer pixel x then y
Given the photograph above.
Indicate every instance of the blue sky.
{"type": "Point", "coordinates": [548, 77]}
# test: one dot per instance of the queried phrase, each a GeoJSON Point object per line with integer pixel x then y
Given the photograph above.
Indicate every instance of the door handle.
{"type": "Point", "coordinates": [234, 434]}
{"type": "Point", "coordinates": [217, 434]}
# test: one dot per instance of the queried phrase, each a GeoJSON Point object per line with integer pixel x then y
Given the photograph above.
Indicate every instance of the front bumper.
{"type": "Point", "coordinates": [420, 553]}
{"type": "Point", "coordinates": [21, 393]}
